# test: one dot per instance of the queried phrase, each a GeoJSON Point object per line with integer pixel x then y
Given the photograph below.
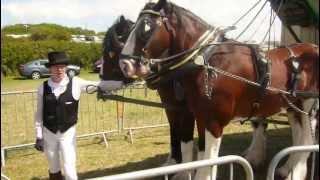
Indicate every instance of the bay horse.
{"type": "Point", "coordinates": [181, 136]}
{"type": "Point", "coordinates": [164, 45]}
{"type": "Point", "coordinates": [113, 43]}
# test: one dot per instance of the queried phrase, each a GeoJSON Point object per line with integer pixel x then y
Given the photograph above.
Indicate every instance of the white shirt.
{"type": "Point", "coordinates": [78, 85]}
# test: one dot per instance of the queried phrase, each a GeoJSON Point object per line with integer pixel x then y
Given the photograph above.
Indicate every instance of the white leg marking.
{"type": "Point", "coordinates": [187, 156]}
{"type": "Point", "coordinates": [212, 146]}
{"type": "Point", "coordinates": [296, 136]}
{"type": "Point", "coordinates": [200, 155]}
{"type": "Point", "coordinates": [170, 161]}
{"type": "Point", "coordinates": [256, 152]}
{"type": "Point", "coordinates": [187, 151]}
{"type": "Point", "coordinates": [301, 135]}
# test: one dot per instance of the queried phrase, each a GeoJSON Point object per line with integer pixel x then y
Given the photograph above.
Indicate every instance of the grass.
{"type": "Point", "coordinates": [150, 147]}
{"type": "Point", "coordinates": [149, 150]}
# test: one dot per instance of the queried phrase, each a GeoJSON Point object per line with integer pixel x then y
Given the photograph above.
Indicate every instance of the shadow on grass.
{"type": "Point", "coordinates": [26, 78]}
{"type": "Point", "coordinates": [93, 72]}
{"type": "Point", "coordinates": [20, 78]}
{"type": "Point", "coordinates": [235, 144]}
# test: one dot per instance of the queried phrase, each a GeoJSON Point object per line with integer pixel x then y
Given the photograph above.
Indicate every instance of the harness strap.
{"type": "Point", "coordinates": [149, 11]}
{"type": "Point", "coordinates": [206, 38]}
{"type": "Point", "coordinates": [167, 24]}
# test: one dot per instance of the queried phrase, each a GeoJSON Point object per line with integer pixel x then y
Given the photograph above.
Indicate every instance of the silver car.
{"type": "Point", "coordinates": [37, 69]}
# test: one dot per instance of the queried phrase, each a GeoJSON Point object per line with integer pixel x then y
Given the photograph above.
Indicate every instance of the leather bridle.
{"type": "Point", "coordinates": [151, 61]}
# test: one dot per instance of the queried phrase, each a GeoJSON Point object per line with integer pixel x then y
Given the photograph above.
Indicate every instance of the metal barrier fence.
{"type": "Point", "coordinates": [166, 171]}
{"type": "Point", "coordinates": [96, 118]}
{"type": "Point", "coordinates": [295, 149]}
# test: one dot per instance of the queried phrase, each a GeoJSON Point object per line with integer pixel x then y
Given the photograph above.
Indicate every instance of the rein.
{"type": "Point", "coordinates": [107, 95]}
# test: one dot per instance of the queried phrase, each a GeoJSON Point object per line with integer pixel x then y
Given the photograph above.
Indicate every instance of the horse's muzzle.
{"type": "Point", "coordinates": [128, 68]}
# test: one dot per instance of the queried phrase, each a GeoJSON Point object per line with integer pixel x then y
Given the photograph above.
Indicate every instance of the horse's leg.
{"type": "Point", "coordinates": [256, 152]}
{"type": "Point", "coordinates": [186, 130]}
{"type": "Point", "coordinates": [175, 148]}
{"type": "Point", "coordinates": [296, 166]}
{"type": "Point", "coordinates": [186, 133]}
{"type": "Point", "coordinates": [213, 136]}
{"type": "Point", "coordinates": [201, 141]}
{"type": "Point", "coordinates": [173, 115]}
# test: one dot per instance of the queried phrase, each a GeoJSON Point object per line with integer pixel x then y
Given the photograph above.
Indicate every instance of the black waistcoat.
{"type": "Point", "coordinates": [62, 113]}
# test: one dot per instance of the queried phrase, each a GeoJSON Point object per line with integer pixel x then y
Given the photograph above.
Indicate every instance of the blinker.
{"type": "Point", "coordinates": [111, 54]}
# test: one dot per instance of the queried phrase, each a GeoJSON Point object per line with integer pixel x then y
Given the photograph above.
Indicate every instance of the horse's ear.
{"type": "Point", "coordinates": [122, 19]}
{"type": "Point", "coordinates": [160, 4]}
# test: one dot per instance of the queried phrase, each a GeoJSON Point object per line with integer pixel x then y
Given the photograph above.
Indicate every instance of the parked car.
{"type": "Point", "coordinates": [97, 65]}
{"type": "Point", "coordinates": [37, 69]}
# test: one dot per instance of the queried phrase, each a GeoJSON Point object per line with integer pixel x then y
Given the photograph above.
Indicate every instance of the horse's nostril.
{"type": "Point", "coordinates": [126, 67]}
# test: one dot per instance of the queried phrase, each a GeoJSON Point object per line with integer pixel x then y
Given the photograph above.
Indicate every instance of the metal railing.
{"type": "Point", "coordinates": [166, 171]}
{"type": "Point", "coordinates": [95, 118]}
{"type": "Point", "coordinates": [295, 149]}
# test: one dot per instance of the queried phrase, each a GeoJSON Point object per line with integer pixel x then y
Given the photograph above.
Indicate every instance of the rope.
{"type": "Point", "coordinates": [235, 23]}
{"type": "Point", "coordinates": [268, 31]}
{"type": "Point", "coordinates": [253, 19]}
{"type": "Point", "coordinates": [259, 26]}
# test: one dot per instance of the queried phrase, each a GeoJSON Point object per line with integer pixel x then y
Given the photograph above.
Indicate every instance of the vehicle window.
{"type": "Point", "coordinates": [36, 63]}
{"type": "Point", "coordinates": [43, 62]}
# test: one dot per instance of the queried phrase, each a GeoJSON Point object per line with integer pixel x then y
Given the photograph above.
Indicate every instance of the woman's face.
{"type": "Point", "coordinates": [57, 72]}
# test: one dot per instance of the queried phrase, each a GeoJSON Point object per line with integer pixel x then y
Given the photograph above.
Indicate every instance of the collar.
{"type": "Point", "coordinates": [63, 82]}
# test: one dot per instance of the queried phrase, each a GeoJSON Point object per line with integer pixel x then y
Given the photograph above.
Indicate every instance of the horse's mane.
{"type": "Point", "coordinates": [178, 11]}
{"type": "Point", "coordinates": [107, 42]}
{"type": "Point", "coordinates": [111, 41]}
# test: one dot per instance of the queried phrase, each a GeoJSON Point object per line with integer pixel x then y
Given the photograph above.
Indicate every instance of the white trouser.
{"type": "Point", "coordinates": [65, 143]}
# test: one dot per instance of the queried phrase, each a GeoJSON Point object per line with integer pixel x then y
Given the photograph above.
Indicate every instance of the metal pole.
{"type": "Point", "coordinates": [294, 149]}
{"type": "Point", "coordinates": [2, 158]}
{"type": "Point", "coordinates": [231, 171]}
{"type": "Point", "coordinates": [163, 171]}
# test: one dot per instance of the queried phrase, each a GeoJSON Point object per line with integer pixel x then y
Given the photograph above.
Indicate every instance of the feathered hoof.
{"type": "Point", "coordinates": [182, 176]}
{"type": "Point", "coordinates": [256, 164]}
{"type": "Point", "coordinates": [281, 174]}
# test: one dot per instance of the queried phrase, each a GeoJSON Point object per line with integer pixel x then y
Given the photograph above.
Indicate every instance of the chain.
{"type": "Point", "coordinates": [283, 92]}
{"type": "Point", "coordinates": [208, 88]}
{"type": "Point", "coordinates": [294, 106]}
{"type": "Point", "coordinates": [225, 73]}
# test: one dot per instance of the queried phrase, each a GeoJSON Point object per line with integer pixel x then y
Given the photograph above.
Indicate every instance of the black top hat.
{"type": "Point", "coordinates": [57, 57]}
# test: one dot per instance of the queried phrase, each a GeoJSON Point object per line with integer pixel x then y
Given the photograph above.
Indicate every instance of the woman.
{"type": "Point", "coordinates": [57, 114]}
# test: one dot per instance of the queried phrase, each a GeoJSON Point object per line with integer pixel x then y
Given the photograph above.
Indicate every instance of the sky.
{"type": "Point", "coordinates": [98, 15]}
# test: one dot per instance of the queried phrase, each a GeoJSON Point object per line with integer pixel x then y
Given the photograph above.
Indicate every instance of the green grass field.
{"type": "Point", "coordinates": [149, 149]}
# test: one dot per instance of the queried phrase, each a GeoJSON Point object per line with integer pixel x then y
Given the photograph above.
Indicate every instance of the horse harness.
{"type": "Point", "coordinates": [165, 69]}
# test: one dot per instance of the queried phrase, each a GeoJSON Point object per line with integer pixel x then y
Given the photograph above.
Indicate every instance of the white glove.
{"type": "Point", "coordinates": [110, 85]}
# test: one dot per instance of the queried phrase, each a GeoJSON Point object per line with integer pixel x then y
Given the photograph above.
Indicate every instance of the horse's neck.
{"type": "Point", "coordinates": [188, 34]}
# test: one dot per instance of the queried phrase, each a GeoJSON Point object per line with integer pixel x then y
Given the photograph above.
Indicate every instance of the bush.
{"type": "Point", "coordinates": [14, 53]}
{"type": "Point", "coordinates": [43, 33]}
